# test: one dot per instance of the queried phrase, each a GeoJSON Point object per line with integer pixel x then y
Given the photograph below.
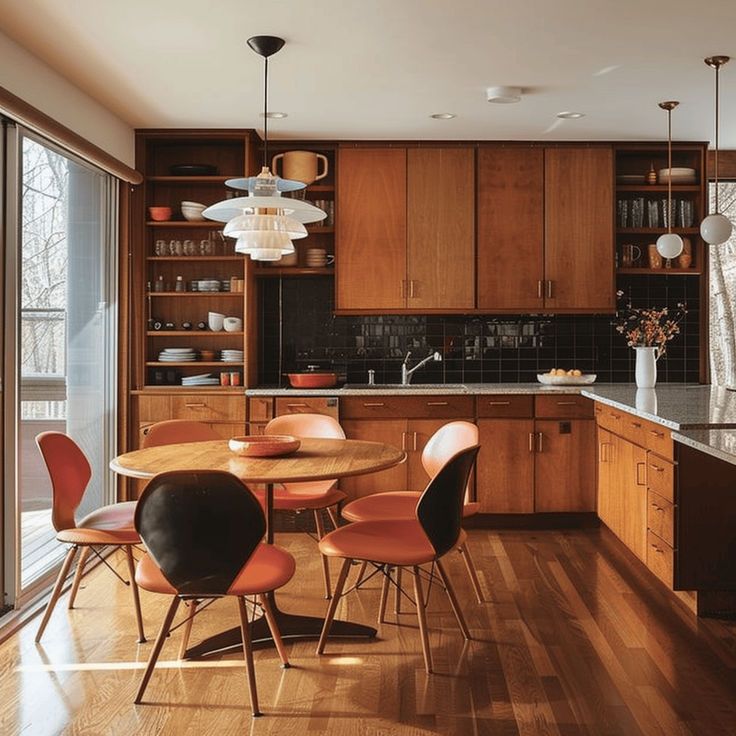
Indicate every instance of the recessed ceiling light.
{"type": "Point", "coordinates": [503, 95]}
{"type": "Point", "coordinates": [443, 115]}
{"type": "Point", "coordinates": [567, 115]}
{"type": "Point", "coordinates": [276, 115]}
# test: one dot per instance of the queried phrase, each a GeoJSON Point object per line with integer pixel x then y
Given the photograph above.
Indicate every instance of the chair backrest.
{"type": "Point", "coordinates": [317, 426]}
{"type": "Point", "coordinates": [70, 472]}
{"type": "Point", "coordinates": [176, 431]}
{"type": "Point", "coordinates": [440, 508]}
{"type": "Point", "coordinates": [448, 440]}
{"type": "Point", "coordinates": [200, 528]}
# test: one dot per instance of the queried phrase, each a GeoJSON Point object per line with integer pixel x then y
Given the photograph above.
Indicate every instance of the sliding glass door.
{"type": "Point", "coordinates": [60, 358]}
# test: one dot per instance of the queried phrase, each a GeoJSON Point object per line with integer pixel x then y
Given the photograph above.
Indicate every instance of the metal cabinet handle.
{"type": "Point", "coordinates": [638, 466]}
{"type": "Point", "coordinates": [531, 441]}
{"type": "Point", "coordinates": [636, 425]}
{"type": "Point", "coordinates": [603, 454]}
{"type": "Point", "coordinates": [540, 289]}
{"type": "Point", "coordinates": [414, 443]}
{"type": "Point", "coordinates": [371, 403]}
{"type": "Point", "coordinates": [403, 441]}
{"type": "Point", "coordinates": [540, 442]}
{"type": "Point", "coordinates": [199, 405]}
{"type": "Point", "coordinates": [658, 435]}
{"type": "Point", "coordinates": [296, 406]}
{"type": "Point", "coordinates": [567, 403]}
{"type": "Point", "coordinates": [437, 403]}
{"type": "Point", "coordinates": [656, 467]}
{"type": "Point", "coordinates": [657, 549]}
{"type": "Point", "coordinates": [614, 416]}
{"type": "Point", "coordinates": [656, 507]}
{"type": "Point", "coordinates": [411, 288]}
{"type": "Point", "coordinates": [550, 294]}
{"type": "Point", "coordinates": [499, 403]}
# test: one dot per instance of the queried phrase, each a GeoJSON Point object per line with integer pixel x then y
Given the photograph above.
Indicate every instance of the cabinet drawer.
{"type": "Point", "coordinates": [505, 405]}
{"type": "Point", "coordinates": [609, 418]}
{"type": "Point", "coordinates": [659, 440]}
{"type": "Point", "coordinates": [661, 517]}
{"type": "Point", "coordinates": [660, 559]}
{"type": "Point", "coordinates": [633, 429]}
{"type": "Point", "coordinates": [661, 477]}
{"type": "Point", "coordinates": [154, 408]}
{"type": "Point", "coordinates": [564, 406]}
{"type": "Point", "coordinates": [260, 408]}
{"type": "Point", "coordinates": [408, 407]}
{"type": "Point", "coordinates": [327, 405]}
{"type": "Point", "coordinates": [202, 408]}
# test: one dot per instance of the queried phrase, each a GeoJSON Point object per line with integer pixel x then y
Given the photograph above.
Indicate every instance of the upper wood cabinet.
{"type": "Point", "coordinates": [511, 228]}
{"type": "Point", "coordinates": [440, 254]}
{"type": "Point", "coordinates": [579, 251]}
{"type": "Point", "coordinates": [370, 247]}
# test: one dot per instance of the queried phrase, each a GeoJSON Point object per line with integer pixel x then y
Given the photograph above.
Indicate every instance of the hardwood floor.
{"type": "Point", "coordinates": [574, 639]}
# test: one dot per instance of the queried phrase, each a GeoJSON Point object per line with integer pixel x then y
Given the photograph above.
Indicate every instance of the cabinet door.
{"type": "Point", "coordinates": [565, 465]}
{"type": "Point", "coordinates": [579, 250]}
{"type": "Point", "coordinates": [630, 483]}
{"type": "Point", "coordinates": [392, 432]}
{"type": "Point", "coordinates": [606, 501]}
{"type": "Point", "coordinates": [510, 228]}
{"type": "Point", "coordinates": [505, 467]}
{"type": "Point", "coordinates": [370, 256]}
{"type": "Point", "coordinates": [440, 228]}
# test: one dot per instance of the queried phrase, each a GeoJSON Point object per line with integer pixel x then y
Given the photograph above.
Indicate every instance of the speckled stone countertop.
{"type": "Point", "coordinates": [720, 443]}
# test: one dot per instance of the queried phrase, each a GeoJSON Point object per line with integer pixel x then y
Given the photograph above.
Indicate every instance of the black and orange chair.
{"type": "Point", "coordinates": [203, 533]}
{"type": "Point", "coordinates": [435, 530]}
{"type": "Point", "coordinates": [442, 445]}
{"type": "Point", "coordinates": [312, 495]}
{"type": "Point", "coordinates": [108, 526]}
{"type": "Point", "coordinates": [176, 431]}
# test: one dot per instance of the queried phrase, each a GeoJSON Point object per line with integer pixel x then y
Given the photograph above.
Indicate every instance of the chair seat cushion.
{"type": "Point", "coordinates": [391, 505]}
{"type": "Point", "coordinates": [393, 542]}
{"type": "Point", "coordinates": [317, 495]}
{"type": "Point", "coordinates": [107, 525]}
{"type": "Point", "coordinates": [268, 568]}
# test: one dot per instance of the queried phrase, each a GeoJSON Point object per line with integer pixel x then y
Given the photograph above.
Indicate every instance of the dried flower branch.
{"type": "Point", "coordinates": [648, 326]}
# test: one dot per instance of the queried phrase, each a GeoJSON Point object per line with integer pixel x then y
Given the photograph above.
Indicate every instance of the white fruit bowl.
{"type": "Point", "coordinates": [549, 380]}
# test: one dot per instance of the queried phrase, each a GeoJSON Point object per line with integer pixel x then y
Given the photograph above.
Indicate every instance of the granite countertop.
{"type": "Point", "coordinates": [720, 443]}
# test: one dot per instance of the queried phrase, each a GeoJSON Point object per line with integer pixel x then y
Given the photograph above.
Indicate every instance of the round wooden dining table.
{"type": "Point", "coordinates": [316, 459]}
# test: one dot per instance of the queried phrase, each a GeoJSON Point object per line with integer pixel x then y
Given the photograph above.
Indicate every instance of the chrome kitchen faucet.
{"type": "Point", "coordinates": [406, 373]}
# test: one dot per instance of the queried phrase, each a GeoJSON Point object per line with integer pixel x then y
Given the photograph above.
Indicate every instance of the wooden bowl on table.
{"type": "Point", "coordinates": [264, 445]}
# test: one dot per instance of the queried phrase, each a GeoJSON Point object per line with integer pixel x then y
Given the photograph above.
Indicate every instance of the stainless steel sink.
{"type": "Point", "coordinates": [410, 387]}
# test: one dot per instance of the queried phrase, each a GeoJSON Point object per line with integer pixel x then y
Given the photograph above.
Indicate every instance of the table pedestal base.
{"type": "Point", "coordinates": [292, 627]}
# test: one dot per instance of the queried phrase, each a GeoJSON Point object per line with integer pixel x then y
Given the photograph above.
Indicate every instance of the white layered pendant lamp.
{"type": "Point", "coordinates": [716, 228]}
{"type": "Point", "coordinates": [264, 223]}
{"type": "Point", "coordinates": [670, 244]}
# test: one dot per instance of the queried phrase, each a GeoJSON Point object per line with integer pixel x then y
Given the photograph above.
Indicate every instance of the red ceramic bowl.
{"type": "Point", "coordinates": [264, 445]}
{"type": "Point", "coordinates": [312, 380]}
{"type": "Point", "coordinates": [160, 214]}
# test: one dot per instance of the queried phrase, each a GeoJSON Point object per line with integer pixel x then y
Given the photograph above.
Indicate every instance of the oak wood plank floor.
{"type": "Point", "coordinates": [575, 639]}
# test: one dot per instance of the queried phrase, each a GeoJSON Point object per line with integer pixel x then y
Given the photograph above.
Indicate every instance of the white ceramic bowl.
{"type": "Point", "coordinates": [192, 210]}
{"type": "Point", "coordinates": [549, 380]}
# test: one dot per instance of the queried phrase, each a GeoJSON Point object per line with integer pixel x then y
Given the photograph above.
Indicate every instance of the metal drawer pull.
{"type": "Point", "coordinates": [403, 441]}
{"type": "Point", "coordinates": [656, 467]}
{"type": "Point", "coordinates": [540, 441]}
{"type": "Point", "coordinates": [549, 289]}
{"type": "Point", "coordinates": [637, 425]}
{"type": "Point", "coordinates": [414, 441]}
{"type": "Point", "coordinates": [200, 405]}
{"type": "Point", "coordinates": [540, 289]}
{"type": "Point", "coordinates": [411, 288]}
{"type": "Point", "coordinates": [657, 549]}
{"type": "Point", "coordinates": [436, 403]}
{"type": "Point", "coordinates": [658, 435]}
{"type": "Point", "coordinates": [567, 403]}
{"type": "Point", "coordinates": [531, 441]}
{"type": "Point", "coordinates": [499, 403]}
{"type": "Point", "coordinates": [614, 416]}
{"type": "Point", "coordinates": [657, 508]}
{"type": "Point", "coordinates": [371, 403]}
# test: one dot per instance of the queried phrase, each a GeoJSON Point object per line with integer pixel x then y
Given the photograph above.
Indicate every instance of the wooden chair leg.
{"type": "Point", "coordinates": [361, 573]}
{"type": "Point", "coordinates": [274, 628]}
{"type": "Point", "coordinates": [325, 562]}
{"type": "Point", "coordinates": [384, 594]}
{"type": "Point", "coordinates": [397, 600]}
{"type": "Point", "coordinates": [83, 555]}
{"type": "Point", "coordinates": [330, 616]}
{"type": "Point", "coordinates": [422, 617]}
{"type": "Point", "coordinates": [158, 645]}
{"type": "Point", "coordinates": [136, 594]}
{"type": "Point", "coordinates": [186, 633]}
{"type": "Point", "coordinates": [472, 572]}
{"type": "Point", "coordinates": [248, 654]}
{"type": "Point", "coordinates": [56, 592]}
{"type": "Point", "coordinates": [332, 513]}
{"type": "Point", "coordinates": [453, 600]}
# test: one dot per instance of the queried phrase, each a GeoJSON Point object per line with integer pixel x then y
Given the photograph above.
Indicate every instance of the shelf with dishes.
{"type": "Point", "coordinates": [192, 363]}
{"type": "Point", "coordinates": [193, 333]}
{"type": "Point", "coordinates": [194, 259]}
{"type": "Point", "coordinates": [185, 294]}
{"type": "Point", "coordinates": [664, 271]}
{"type": "Point", "coordinates": [676, 188]}
{"type": "Point", "coordinates": [292, 271]}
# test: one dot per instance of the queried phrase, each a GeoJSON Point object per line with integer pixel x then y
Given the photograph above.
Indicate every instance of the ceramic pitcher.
{"type": "Point", "coordinates": [301, 166]}
{"type": "Point", "coordinates": [646, 367]}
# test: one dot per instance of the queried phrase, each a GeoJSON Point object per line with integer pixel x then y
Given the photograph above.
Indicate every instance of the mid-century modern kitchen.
{"type": "Point", "coordinates": [368, 375]}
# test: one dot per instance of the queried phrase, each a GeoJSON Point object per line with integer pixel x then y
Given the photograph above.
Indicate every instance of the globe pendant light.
{"type": "Point", "coordinates": [264, 222]}
{"type": "Point", "coordinates": [716, 228]}
{"type": "Point", "coordinates": [669, 245]}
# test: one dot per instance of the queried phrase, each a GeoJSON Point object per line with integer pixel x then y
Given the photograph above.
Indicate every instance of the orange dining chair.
{"type": "Point", "coordinates": [111, 526]}
{"type": "Point", "coordinates": [176, 431]}
{"type": "Point", "coordinates": [435, 530]}
{"type": "Point", "coordinates": [442, 445]}
{"type": "Point", "coordinates": [203, 533]}
{"type": "Point", "coordinates": [313, 495]}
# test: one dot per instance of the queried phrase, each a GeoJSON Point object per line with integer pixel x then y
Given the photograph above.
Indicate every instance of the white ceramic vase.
{"type": "Point", "coordinates": [646, 367]}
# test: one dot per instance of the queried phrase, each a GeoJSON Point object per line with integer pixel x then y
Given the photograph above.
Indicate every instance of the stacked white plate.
{"type": "Point", "coordinates": [680, 175]}
{"type": "Point", "coordinates": [203, 379]}
{"type": "Point", "coordinates": [177, 355]}
{"type": "Point", "coordinates": [232, 356]}
{"type": "Point", "coordinates": [208, 285]}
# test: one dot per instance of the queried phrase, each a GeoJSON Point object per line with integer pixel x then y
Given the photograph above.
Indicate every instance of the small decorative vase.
{"type": "Point", "coordinates": [646, 367]}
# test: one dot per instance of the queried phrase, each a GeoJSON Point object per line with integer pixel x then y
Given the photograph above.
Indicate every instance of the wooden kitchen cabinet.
{"type": "Point", "coordinates": [579, 229]}
{"type": "Point", "coordinates": [440, 247]}
{"type": "Point", "coordinates": [370, 246]}
{"type": "Point", "coordinates": [564, 465]}
{"type": "Point", "coordinates": [607, 498]}
{"type": "Point", "coordinates": [505, 466]}
{"type": "Point", "coordinates": [510, 228]}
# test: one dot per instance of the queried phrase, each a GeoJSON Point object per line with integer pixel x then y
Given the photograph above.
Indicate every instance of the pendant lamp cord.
{"type": "Point", "coordinates": [265, 111]}
{"type": "Point", "coordinates": [718, 69]}
{"type": "Point", "coordinates": [669, 172]}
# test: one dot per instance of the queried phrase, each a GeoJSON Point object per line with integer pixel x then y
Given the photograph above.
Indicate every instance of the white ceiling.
{"type": "Point", "coordinates": [379, 68]}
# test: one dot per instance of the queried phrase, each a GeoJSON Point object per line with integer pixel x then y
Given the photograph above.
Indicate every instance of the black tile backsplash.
{"type": "Point", "coordinates": [476, 349]}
